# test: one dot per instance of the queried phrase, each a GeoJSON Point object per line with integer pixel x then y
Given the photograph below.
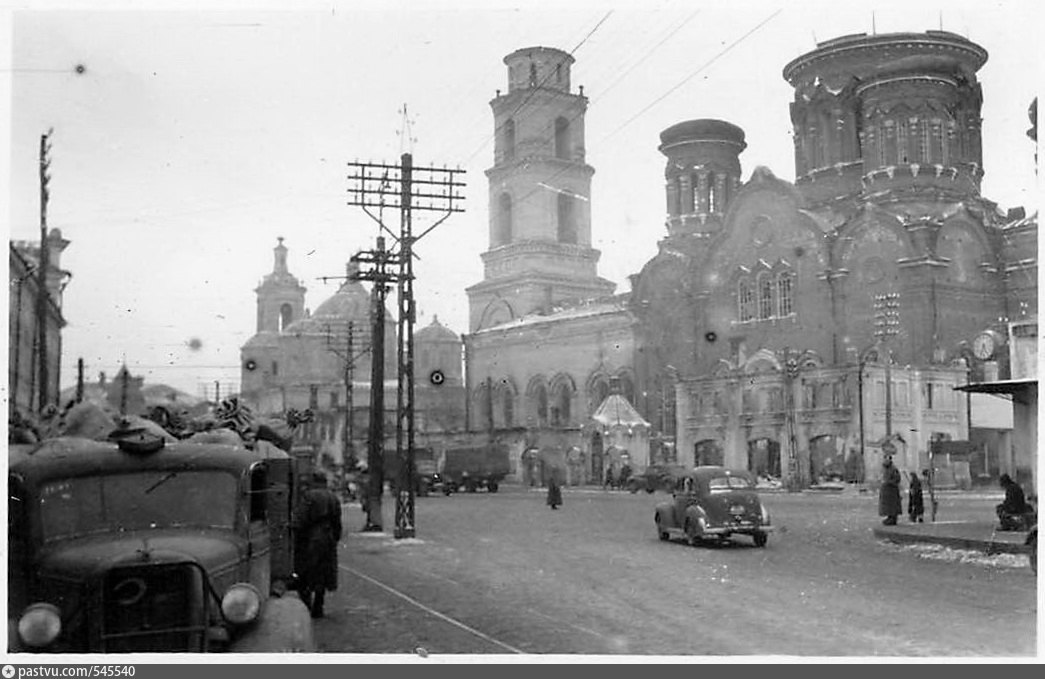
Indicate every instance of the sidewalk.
{"type": "Point", "coordinates": [977, 536]}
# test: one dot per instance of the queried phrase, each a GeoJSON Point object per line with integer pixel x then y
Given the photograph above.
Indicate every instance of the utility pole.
{"type": "Point", "coordinates": [792, 368]}
{"type": "Point", "coordinates": [408, 188]}
{"type": "Point", "coordinates": [887, 325]}
{"type": "Point", "coordinates": [380, 259]}
{"type": "Point", "coordinates": [43, 294]}
{"type": "Point", "coordinates": [349, 358]}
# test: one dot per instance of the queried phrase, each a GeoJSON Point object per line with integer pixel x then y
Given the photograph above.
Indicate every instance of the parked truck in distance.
{"type": "Point", "coordinates": [476, 468]}
{"type": "Point", "coordinates": [425, 476]}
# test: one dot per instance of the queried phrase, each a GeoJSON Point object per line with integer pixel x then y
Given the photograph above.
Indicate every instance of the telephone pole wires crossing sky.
{"type": "Point", "coordinates": [408, 189]}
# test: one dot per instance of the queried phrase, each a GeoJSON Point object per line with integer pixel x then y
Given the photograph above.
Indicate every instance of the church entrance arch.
{"type": "Point", "coordinates": [597, 462]}
{"type": "Point", "coordinates": [826, 462]}
{"type": "Point", "coordinates": [530, 467]}
{"type": "Point", "coordinates": [707, 452]}
{"type": "Point", "coordinates": [763, 457]}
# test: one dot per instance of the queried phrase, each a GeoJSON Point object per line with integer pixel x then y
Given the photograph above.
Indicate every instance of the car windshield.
{"type": "Point", "coordinates": [154, 499]}
{"type": "Point", "coordinates": [729, 483]}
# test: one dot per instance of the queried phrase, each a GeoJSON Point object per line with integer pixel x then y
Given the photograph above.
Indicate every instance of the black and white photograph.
{"type": "Point", "coordinates": [591, 331]}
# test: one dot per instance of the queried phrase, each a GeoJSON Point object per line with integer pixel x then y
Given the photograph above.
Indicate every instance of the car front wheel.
{"type": "Point", "coordinates": [761, 539]}
{"type": "Point", "coordinates": [693, 534]}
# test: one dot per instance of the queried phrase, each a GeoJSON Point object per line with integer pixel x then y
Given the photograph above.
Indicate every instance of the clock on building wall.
{"type": "Point", "coordinates": [985, 345]}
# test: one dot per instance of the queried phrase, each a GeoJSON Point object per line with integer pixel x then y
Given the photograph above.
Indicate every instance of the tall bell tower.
{"type": "Point", "coordinates": [540, 250]}
{"type": "Point", "coordinates": [281, 298]}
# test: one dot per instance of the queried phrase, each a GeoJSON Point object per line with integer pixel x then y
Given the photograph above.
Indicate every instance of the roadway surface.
{"type": "Point", "coordinates": [503, 574]}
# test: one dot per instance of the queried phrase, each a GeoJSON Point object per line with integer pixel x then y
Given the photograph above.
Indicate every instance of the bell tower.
{"type": "Point", "coordinates": [540, 250]}
{"type": "Point", "coordinates": [281, 298]}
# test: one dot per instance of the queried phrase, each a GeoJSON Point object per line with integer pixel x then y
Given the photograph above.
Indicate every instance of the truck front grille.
{"type": "Point", "coordinates": [154, 607]}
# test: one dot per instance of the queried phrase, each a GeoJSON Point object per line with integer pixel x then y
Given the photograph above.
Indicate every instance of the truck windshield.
{"type": "Point", "coordinates": [140, 500]}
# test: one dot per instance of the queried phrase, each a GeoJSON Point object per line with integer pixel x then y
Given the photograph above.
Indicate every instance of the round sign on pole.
{"type": "Point", "coordinates": [437, 377]}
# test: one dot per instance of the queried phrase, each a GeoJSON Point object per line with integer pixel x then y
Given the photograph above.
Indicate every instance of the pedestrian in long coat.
{"type": "Point", "coordinates": [889, 504]}
{"type": "Point", "coordinates": [915, 501]}
{"type": "Point", "coordinates": [317, 526]}
{"type": "Point", "coordinates": [554, 493]}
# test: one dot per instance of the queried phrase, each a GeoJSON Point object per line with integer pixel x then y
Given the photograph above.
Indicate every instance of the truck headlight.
{"type": "Point", "coordinates": [241, 604]}
{"type": "Point", "coordinates": [765, 516]}
{"type": "Point", "coordinates": [40, 625]}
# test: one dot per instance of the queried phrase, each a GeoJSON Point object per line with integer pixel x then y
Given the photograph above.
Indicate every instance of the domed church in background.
{"type": "Point", "coordinates": [305, 360]}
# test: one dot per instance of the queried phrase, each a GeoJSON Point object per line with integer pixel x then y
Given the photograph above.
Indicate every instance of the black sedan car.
{"type": "Point", "coordinates": [714, 502]}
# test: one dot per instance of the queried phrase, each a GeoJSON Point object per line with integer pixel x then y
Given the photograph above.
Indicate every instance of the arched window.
{"type": "Point", "coordinates": [560, 410]}
{"type": "Point", "coordinates": [745, 301]}
{"type": "Point", "coordinates": [926, 139]}
{"type": "Point", "coordinates": [504, 220]}
{"type": "Point", "coordinates": [509, 139]}
{"type": "Point", "coordinates": [599, 391]}
{"type": "Point", "coordinates": [627, 388]}
{"type": "Point", "coordinates": [785, 294]}
{"type": "Point", "coordinates": [509, 408]}
{"type": "Point", "coordinates": [286, 316]}
{"type": "Point", "coordinates": [562, 138]}
{"type": "Point", "coordinates": [902, 155]}
{"type": "Point", "coordinates": [765, 296]}
{"type": "Point", "coordinates": [540, 404]}
{"type": "Point", "coordinates": [567, 219]}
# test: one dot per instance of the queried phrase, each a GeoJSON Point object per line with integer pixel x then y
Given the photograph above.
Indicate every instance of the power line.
{"type": "Point", "coordinates": [694, 73]}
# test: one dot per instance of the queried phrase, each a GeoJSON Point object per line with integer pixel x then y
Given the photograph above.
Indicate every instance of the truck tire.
{"type": "Point", "coordinates": [492, 486]}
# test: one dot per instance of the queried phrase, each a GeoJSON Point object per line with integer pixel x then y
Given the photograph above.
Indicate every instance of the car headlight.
{"type": "Point", "coordinates": [241, 604]}
{"type": "Point", "coordinates": [40, 625]}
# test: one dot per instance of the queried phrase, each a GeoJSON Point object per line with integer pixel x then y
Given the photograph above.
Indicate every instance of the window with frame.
{"type": "Point", "coordinates": [745, 300]}
{"type": "Point", "coordinates": [509, 139]}
{"type": "Point", "coordinates": [765, 296]}
{"type": "Point", "coordinates": [785, 294]}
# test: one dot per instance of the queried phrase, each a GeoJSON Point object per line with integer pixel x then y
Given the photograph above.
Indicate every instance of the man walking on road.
{"type": "Point", "coordinates": [318, 530]}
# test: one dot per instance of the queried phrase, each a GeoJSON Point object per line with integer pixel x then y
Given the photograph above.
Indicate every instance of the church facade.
{"type": "Point", "coordinates": [821, 324]}
{"type": "Point", "coordinates": [320, 361]}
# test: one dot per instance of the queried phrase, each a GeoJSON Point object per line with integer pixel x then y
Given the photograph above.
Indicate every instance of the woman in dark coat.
{"type": "Point", "coordinates": [318, 530]}
{"type": "Point", "coordinates": [915, 501]}
{"type": "Point", "coordinates": [554, 493]}
{"type": "Point", "coordinates": [889, 504]}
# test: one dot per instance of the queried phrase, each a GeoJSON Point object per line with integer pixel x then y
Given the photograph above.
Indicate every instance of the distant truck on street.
{"type": "Point", "coordinates": [475, 468]}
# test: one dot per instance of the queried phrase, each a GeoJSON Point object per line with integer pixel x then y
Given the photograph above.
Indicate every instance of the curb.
{"type": "Point", "coordinates": [971, 544]}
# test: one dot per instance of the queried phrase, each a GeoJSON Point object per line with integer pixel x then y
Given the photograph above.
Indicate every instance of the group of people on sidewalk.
{"type": "Point", "coordinates": [1014, 513]}
{"type": "Point", "coordinates": [889, 503]}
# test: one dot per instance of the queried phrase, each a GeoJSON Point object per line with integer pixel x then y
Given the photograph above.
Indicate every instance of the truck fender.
{"type": "Point", "coordinates": [283, 626]}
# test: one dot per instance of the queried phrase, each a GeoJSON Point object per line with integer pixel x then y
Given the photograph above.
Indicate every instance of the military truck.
{"type": "Point", "coordinates": [145, 545]}
{"type": "Point", "coordinates": [475, 468]}
{"type": "Point", "coordinates": [425, 475]}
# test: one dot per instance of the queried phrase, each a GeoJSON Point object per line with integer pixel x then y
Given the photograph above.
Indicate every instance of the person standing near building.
{"type": "Point", "coordinates": [915, 501]}
{"type": "Point", "coordinates": [889, 504]}
{"type": "Point", "coordinates": [554, 491]}
{"type": "Point", "coordinates": [317, 526]}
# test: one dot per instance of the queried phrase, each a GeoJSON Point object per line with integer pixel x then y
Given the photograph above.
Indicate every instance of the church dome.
{"type": "Point", "coordinates": [309, 325]}
{"type": "Point", "coordinates": [261, 340]}
{"type": "Point", "coordinates": [350, 303]}
{"type": "Point", "coordinates": [436, 332]}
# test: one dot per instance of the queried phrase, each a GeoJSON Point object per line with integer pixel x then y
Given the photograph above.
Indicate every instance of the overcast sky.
{"type": "Point", "coordinates": [190, 140]}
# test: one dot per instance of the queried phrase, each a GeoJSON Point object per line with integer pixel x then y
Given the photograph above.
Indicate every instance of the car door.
{"type": "Point", "coordinates": [685, 495]}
